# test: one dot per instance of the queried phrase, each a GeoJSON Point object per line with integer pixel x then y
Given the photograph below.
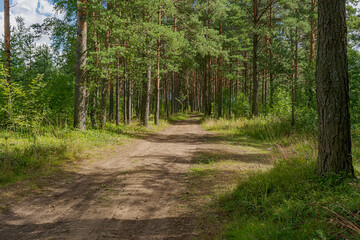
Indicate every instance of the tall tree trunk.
{"type": "Point", "coordinates": [80, 110]}
{"type": "Point", "coordinates": [255, 94]}
{"type": "Point", "coordinates": [209, 87]}
{"type": "Point", "coordinates": [7, 53]}
{"type": "Point", "coordinates": [147, 98]}
{"type": "Point", "coordinates": [7, 38]}
{"type": "Point", "coordinates": [173, 93]}
{"type": "Point", "coordinates": [237, 77]}
{"type": "Point", "coordinates": [220, 79]}
{"type": "Point", "coordinates": [118, 92]}
{"type": "Point", "coordinates": [187, 101]}
{"type": "Point", "coordinates": [105, 80]}
{"type": "Point", "coordinates": [312, 36]}
{"type": "Point", "coordinates": [231, 83]}
{"type": "Point", "coordinates": [167, 96]}
{"type": "Point", "coordinates": [294, 79]}
{"type": "Point", "coordinates": [204, 94]}
{"type": "Point", "coordinates": [129, 97]}
{"type": "Point", "coordinates": [310, 83]}
{"type": "Point", "coordinates": [332, 87]}
{"type": "Point", "coordinates": [157, 111]}
{"type": "Point", "coordinates": [95, 95]}
{"type": "Point", "coordinates": [111, 101]}
{"type": "Point", "coordinates": [125, 88]}
{"type": "Point", "coordinates": [271, 56]}
{"type": "Point", "coordinates": [246, 73]}
{"type": "Point", "coordinates": [255, 97]}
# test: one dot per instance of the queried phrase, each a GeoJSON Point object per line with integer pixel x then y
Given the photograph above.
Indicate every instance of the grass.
{"type": "Point", "coordinates": [291, 202]}
{"type": "Point", "coordinates": [26, 156]}
{"type": "Point", "coordinates": [178, 117]}
{"type": "Point", "coordinates": [287, 201]}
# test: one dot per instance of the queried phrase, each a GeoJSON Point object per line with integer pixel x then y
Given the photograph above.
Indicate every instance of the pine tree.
{"type": "Point", "coordinates": [332, 87]}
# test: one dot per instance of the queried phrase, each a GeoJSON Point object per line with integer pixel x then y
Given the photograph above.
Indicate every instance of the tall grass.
{"type": "Point", "coordinates": [271, 129]}
{"type": "Point", "coordinates": [290, 201]}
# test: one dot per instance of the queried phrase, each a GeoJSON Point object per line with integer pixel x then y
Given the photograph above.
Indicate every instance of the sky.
{"type": "Point", "coordinates": [33, 11]}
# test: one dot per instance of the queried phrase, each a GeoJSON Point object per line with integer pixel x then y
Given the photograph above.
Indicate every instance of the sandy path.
{"type": "Point", "coordinates": [132, 193]}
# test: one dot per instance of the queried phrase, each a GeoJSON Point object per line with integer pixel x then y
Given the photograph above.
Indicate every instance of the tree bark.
{"type": "Point", "coordinates": [118, 92]}
{"type": "Point", "coordinates": [294, 79]}
{"type": "Point", "coordinates": [7, 38]}
{"type": "Point", "coordinates": [332, 89]}
{"type": "Point", "coordinates": [209, 87]}
{"type": "Point", "coordinates": [111, 101]}
{"type": "Point", "coordinates": [220, 79]}
{"type": "Point", "coordinates": [167, 96]}
{"type": "Point", "coordinates": [255, 96]}
{"type": "Point", "coordinates": [187, 102]}
{"type": "Point", "coordinates": [312, 36]}
{"type": "Point", "coordinates": [105, 81]}
{"type": "Point", "coordinates": [129, 97]}
{"type": "Point", "coordinates": [80, 110]}
{"type": "Point", "coordinates": [157, 111]}
{"type": "Point", "coordinates": [271, 56]}
{"type": "Point", "coordinates": [310, 83]}
{"type": "Point", "coordinates": [147, 98]}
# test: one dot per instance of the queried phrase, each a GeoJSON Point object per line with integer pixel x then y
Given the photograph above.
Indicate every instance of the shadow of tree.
{"type": "Point", "coordinates": [126, 203]}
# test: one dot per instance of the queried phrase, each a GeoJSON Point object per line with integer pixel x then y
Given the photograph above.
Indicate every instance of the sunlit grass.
{"type": "Point", "coordinates": [289, 201]}
{"type": "Point", "coordinates": [24, 155]}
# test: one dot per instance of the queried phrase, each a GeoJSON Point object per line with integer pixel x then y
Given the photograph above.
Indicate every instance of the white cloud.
{"type": "Point", "coordinates": [46, 7]}
{"type": "Point", "coordinates": [33, 11]}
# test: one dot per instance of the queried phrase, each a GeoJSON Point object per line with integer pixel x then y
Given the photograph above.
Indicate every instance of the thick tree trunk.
{"type": "Point", "coordinates": [332, 87]}
{"type": "Point", "coordinates": [80, 110]}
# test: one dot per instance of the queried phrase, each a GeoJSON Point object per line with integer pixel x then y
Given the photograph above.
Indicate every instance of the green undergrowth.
{"type": "Point", "coordinates": [178, 117]}
{"type": "Point", "coordinates": [291, 202]}
{"type": "Point", "coordinates": [265, 129]}
{"type": "Point", "coordinates": [288, 201]}
{"type": "Point", "coordinates": [25, 155]}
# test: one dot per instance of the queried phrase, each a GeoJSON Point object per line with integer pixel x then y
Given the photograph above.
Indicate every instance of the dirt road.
{"type": "Point", "coordinates": [132, 193]}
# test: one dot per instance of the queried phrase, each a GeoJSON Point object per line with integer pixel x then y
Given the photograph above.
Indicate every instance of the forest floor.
{"type": "Point", "coordinates": [163, 186]}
